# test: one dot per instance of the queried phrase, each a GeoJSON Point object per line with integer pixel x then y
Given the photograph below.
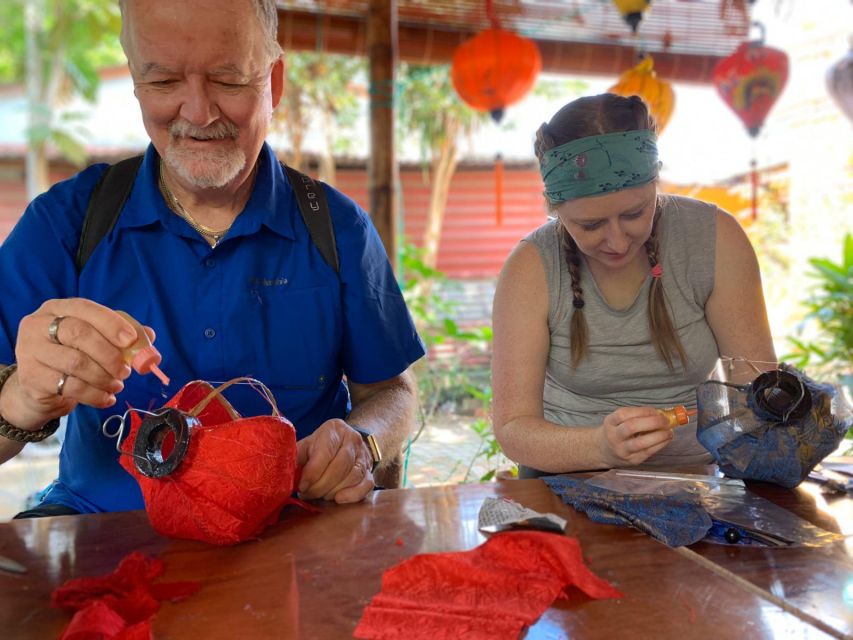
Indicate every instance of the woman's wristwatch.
{"type": "Point", "coordinates": [10, 431]}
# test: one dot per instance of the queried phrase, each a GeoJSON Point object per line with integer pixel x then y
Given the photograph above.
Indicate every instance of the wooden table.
{"type": "Point", "coordinates": [311, 575]}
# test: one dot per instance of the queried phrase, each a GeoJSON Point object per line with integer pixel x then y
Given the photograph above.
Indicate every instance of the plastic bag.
{"type": "Point", "coordinates": [776, 427]}
{"type": "Point", "coordinates": [738, 516]}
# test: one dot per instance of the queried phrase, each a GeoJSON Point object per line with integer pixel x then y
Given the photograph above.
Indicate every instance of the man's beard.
{"type": "Point", "coordinates": [210, 169]}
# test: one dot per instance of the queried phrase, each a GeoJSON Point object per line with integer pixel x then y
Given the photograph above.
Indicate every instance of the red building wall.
{"type": "Point", "coordinates": [472, 245]}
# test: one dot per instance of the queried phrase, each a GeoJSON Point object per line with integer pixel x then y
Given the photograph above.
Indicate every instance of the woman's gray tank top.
{"type": "Point", "coordinates": [622, 367]}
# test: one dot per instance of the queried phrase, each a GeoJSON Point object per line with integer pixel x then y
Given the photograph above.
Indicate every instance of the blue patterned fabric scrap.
{"type": "Point", "coordinates": [676, 519]}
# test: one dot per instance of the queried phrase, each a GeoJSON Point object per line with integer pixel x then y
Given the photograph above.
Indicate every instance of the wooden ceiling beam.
{"type": "Point", "coordinates": [300, 30]}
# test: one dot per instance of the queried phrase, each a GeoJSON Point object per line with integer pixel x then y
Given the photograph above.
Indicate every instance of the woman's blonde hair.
{"type": "Point", "coordinates": [589, 116]}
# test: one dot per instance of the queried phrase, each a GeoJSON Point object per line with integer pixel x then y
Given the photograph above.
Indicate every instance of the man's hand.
{"type": "Point", "coordinates": [78, 360]}
{"type": "Point", "coordinates": [336, 464]}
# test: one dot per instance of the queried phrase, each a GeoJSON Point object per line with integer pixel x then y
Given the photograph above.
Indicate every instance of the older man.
{"type": "Point", "coordinates": [210, 251]}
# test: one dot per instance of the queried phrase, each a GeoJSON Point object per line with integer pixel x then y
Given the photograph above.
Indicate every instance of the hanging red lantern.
{"type": "Point", "coordinates": [492, 70]}
{"type": "Point", "coordinates": [749, 81]}
{"type": "Point", "coordinates": [495, 68]}
{"type": "Point", "coordinates": [839, 81]}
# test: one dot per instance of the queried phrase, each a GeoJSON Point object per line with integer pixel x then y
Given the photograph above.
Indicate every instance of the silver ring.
{"type": "Point", "coordinates": [53, 329]}
{"type": "Point", "coordinates": [61, 384]}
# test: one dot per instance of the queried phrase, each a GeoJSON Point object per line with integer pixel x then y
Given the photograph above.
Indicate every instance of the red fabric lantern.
{"type": "Point", "coordinates": [494, 69]}
{"type": "Point", "coordinates": [208, 474]}
{"type": "Point", "coordinates": [839, 81]}
{"type": "Point", "coordinates": [750, 80]}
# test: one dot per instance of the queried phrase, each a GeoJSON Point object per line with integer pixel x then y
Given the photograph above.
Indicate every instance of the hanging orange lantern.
{"type": "Point", "coordinates": [632, 11]}
{"type": "Point", "coordinates": [749, 81]}
{"type": "Point", "coordinates": [492, 70]}
{"type": "Point", "coordinates": [495, 69]}
{"type": "Point", "coordinates": [642, 81]}
{"type": "Point", "coordinates": [839, 81]}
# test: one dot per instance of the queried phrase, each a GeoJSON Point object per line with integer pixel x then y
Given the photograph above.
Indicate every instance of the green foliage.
{"type": "Point", "coordinates": [324, 83]}
{"type": "Point", "coordinates": [429, 109]}
{"type": "Point", "coordinates": [74, 38]}
{"type": "Point", "coordinates": [79, 35]}
{"type": "Point", "coordinates": [442, 381]}
{"type": "Point", "coordinates": [830, 316]}
{"type": "Point", "coordinates": [488, 451]}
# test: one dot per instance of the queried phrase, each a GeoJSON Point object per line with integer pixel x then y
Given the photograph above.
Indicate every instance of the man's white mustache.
{"type": "Point", "coordinates": [218, 131]}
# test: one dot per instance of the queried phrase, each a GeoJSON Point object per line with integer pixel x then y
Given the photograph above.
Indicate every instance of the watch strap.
{"type": "Point", "coordinates": [10, 431]}
{"type": "Point", "coordinates": [372, 446]}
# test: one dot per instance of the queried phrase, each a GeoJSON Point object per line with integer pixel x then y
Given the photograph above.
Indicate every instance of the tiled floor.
{"type": "Point", "coordinates": [442, 454]}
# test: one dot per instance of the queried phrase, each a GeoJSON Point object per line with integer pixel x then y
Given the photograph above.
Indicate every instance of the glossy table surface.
{"type": "Point", "coordinates": [312, 574]}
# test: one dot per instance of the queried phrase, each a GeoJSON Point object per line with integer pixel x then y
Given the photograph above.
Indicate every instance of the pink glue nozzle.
{"type": "Point", "coordinates": [146, 360]}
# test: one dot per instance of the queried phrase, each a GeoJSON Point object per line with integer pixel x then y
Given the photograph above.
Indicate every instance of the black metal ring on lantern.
{"type": "Point", "coordinates": [779, 395]}
{"type": "Point", "coordinates": [152, 434]}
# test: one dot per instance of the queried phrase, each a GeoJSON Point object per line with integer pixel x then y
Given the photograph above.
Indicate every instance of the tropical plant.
{"type": "Point", "coordinates": [830, 314]}
{"type": "Point", "coordinates": [488, 452]}
{"type": "Point", "coordinates": [57, 46]}
{"type": "Point", "coordinates": [439, 379]}
{"type": "Point", "coordinates": [829, 321]}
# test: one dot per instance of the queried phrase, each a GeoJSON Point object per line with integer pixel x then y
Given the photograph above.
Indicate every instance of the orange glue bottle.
{"type": "Point", "coordinates": [678, 415]}
{"type": "Point", "coordinates": [141, 355]}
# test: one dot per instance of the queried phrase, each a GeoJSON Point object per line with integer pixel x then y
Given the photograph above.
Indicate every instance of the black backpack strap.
{"type": "Point", "coordinates": [315, 212]}
{"type": "Point", "coordinates": [113, 189]}
{"type": "Point", "coordinates": [105, 205]}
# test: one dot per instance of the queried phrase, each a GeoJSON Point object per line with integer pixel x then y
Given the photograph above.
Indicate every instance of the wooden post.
{"type": "Point", "coordinates": [382, 162]}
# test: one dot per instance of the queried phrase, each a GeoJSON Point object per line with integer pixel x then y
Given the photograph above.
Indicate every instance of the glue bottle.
{"type": "Point", "coordinates": [678, 415]}
{"type": "Point", "coordinates": [142, 355]}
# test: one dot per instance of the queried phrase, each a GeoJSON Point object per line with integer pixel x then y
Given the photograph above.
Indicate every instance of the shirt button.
{"type": "Point", "coordinates": [210, 263]}
{"type": "Point", "coordinates": [209, 333]}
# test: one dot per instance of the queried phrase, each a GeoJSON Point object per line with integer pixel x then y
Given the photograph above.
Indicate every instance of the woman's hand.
{"type": "Point", "coordinates": [631, 435]}
{"type": "Point", "coordinates": [68, 352]}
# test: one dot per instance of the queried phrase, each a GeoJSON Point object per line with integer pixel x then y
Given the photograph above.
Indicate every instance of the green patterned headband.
{"type": "Point", "coordinates": [600, 164]}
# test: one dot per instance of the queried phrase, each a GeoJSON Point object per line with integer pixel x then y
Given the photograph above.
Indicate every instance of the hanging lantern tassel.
{"type": "Point", "coordinates": [753, 178]}
{"type": "Point", "coordinates": [499, 189]}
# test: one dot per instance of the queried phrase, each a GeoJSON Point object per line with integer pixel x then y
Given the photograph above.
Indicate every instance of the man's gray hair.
{"type": "Point", "coordinates": [265, 10]}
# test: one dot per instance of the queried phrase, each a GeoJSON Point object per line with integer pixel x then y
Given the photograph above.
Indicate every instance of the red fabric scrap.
{"type": "Point", "coordinates": [235, 479]}
{"type": "Point", "coordinates": [120, 605]}
{"type": "Point", "coordinates": [492, 591]}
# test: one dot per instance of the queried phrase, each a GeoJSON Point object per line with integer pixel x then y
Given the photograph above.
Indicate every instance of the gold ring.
{"type": "Point", "coordinates": [53, 329]}
{"type": "Point", "coordinates": [61, 384]}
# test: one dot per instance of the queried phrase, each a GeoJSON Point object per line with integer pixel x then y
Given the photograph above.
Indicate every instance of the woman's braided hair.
{"type": "Point", "coordinates": [589, 116]}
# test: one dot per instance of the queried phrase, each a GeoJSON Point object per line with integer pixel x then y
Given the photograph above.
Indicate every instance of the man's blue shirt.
{"type": "Point", "coordinates": [262, 304]}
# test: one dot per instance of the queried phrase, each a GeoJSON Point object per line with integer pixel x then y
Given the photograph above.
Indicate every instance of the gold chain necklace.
{"type": "Point", "coordinates": [213, 236]}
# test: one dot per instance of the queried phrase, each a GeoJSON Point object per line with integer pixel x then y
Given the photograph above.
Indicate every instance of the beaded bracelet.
{"type": "Point", "coordinates": [10, 431]}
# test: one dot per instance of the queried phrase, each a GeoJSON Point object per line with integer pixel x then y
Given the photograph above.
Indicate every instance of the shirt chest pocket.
{"type": "Point", "coordinates": [295, 335]}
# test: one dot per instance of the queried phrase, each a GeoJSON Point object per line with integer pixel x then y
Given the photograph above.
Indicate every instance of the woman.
{"type": "Point", "coordinates": [618, 306]}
